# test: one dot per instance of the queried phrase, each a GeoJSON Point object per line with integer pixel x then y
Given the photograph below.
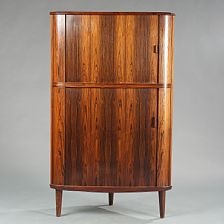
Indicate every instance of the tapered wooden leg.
{"type": "Point", "coordinates": [58, 202]}
{"type": "Point", "coordinates": [111, 198]}
{"type": "Point", "coordinates": [162, 200]}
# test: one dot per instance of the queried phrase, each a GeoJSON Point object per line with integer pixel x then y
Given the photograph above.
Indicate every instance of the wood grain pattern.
{"type": "Point", "coordinates": [58, 135]}
{"type": "Point", "coordinates": [152, 44]}
{"type": "Point", "coordinates": [95, 48]}
{"type": "Point", "coordinates": [145, 40]}
{"type": "Point", "coordinates": [111, 102]}
{"type": "Point", "coordinates": [89, 34]}
{"type": "Point", "coordinates": [130, 49]}
{"type": "Point", "coordinates": [165, 49]}
{"type": "Point", "coordinates": [58, 48]}
{"type": "Point", "coordinates": [119, 44]}
{"type": "Point", "coordinates": [164, 131]}
{"type": "Point", "coordinates": [110, 130]}
{"type": "Point", "coordinates": [165, 73]}
{"type": "Point", "coordinates": [108, 48]}
{"type": "Point", "coordinates": [57, 98]}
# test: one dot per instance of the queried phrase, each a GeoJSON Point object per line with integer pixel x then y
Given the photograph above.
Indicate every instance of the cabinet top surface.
{"type": "Point", "coordinates": [109, 13]}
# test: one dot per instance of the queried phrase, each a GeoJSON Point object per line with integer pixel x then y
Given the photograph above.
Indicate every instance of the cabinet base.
{"type": "Point", "coordinates": [111, 190]}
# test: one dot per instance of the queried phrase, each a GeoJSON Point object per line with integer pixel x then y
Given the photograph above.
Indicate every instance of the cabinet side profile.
{"type": "Point", "coordinates": [57, 105]}
{"type": "Point", "coordinates": [111, 103]}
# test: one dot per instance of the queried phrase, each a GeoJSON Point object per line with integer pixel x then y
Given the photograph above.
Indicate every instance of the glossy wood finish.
{"type": "Point", "coordinates": [111, 137]}
{"type": "Point", "coordinates": [163, 147]}
{"type": "Point", "coordinates": [58, 48]}
{"type": "Point", "coordinates": [165, 75]}
{"type": "Point", "coordinates": [58, 135]}
{"type": "Point", "coordinates": [111, 102]}
{"type": "Point", "coordinates": [111, 49]}
{"type": "Point", "coordinates": [57, 99]}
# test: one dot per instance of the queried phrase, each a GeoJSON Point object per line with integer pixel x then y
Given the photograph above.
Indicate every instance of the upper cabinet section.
{"type": "Point", "coordinates": [108, 48]}
{"type": "Point", "coordinates": [113, 48]}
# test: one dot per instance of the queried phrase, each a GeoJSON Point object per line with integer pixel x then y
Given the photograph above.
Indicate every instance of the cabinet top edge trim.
{"type": "Point", "coordinates": [109, 13]}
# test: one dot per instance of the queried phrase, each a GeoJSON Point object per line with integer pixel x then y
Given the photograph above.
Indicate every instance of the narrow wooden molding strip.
{"type": "Point", "coordinates": [110, 188]}
{"type": "Point", "coordinates": [109, 85]}
{"type": "Point", "coordinates": [110, 13]}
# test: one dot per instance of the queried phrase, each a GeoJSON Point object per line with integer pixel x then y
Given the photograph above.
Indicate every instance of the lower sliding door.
{"type": "Point", "coordinates": [110, 136]}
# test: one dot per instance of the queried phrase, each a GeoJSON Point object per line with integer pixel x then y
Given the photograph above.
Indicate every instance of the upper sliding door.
{"type": "Point", "coordinates": [111, 48]}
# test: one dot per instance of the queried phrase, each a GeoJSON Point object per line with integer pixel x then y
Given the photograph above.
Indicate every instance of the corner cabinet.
{"type": "Point", "coordinates": [111, 102]}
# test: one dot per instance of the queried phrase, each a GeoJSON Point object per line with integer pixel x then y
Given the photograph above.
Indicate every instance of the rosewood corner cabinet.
{"type": "Point", "coordinates": [111, 102]}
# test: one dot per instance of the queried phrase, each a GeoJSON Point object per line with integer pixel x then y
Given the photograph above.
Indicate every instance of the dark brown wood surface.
{"type": "Point", "coordinates": [111, 120]}
{"type": "Point", "coordinates": [111, 102]}
{"type": "Point", "coordinates": [57, 99]}
{"type": "Point", "coordinates": [165, 75]}
{"type": "Point", "coordinates": [58, 48]}
{"type": "Point", "coordinates": [58, 135]}
{"type": "Point", "coordinates": [111, 137]}
{"type": "Point", "coordinates": [163, 147]}
{"type": "Point", "coordinates": [108, 48]}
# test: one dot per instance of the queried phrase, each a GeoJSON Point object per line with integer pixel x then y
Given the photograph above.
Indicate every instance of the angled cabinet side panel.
{"type": "Point", "coordinates": [57, 98]}
{"type": "Point", "coordinates": [163, 139]}
{"type": "Point", "coordinates": [165, 49]}
{"type": "Point", "coordinates": [165, 101]}
{"type": "Point", "coordinates": [57, 135]}
{"type": "Point", "coordinates": [57, 48]}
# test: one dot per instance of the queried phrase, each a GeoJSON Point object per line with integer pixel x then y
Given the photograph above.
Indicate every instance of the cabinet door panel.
{"type": "Point", "coordinates": [110, 137]}
{"type": "Point", "coordinates": [109, 48]}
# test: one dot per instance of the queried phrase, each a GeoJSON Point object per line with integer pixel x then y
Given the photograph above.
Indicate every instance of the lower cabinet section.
{"type": "Point", "coordinates": [111, 140]}
{"type": "Point", "coordinates": [110, 137]}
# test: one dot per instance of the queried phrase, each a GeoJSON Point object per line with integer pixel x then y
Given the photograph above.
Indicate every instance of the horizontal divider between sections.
{"type": "Point", "coordinates": [109, 85]}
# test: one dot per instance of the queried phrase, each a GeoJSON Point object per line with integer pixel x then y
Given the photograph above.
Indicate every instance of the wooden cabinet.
{"type": "Point", "coordinates": [111, 102]}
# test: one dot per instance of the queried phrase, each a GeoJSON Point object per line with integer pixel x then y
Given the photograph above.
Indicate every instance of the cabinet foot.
{"type": "Point", "coordinates": [111, 198]}
{"type": "Point", "coordinates": [162, 199]}
{"type": "Point", "coordinates": [58, 202]}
